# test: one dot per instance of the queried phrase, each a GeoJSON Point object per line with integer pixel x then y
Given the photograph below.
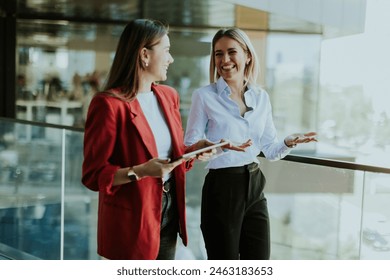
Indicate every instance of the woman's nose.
{"type": "Point", "coordinates": [225, 57]}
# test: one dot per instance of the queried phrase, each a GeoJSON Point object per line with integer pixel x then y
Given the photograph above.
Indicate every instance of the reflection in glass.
{"type": "Point", "coordinates": [315, 210]}
{"type": "Point", "coordinates": [32, 179]}
{"type": "Point", "coordinates": [376, 217]}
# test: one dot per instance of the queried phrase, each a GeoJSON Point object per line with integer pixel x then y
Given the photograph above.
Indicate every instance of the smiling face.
{"type": "Point", "coordinates": [158, 58]}
{"type": "Point", "coordinates": [230, 59]}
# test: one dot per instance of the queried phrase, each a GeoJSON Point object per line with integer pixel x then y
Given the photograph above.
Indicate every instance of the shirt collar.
{"type": "Point", "coordinates": [223, 87]}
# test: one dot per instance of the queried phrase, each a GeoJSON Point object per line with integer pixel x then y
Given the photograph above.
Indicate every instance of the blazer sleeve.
{"type": "Point", "coordinates": [99, 140]}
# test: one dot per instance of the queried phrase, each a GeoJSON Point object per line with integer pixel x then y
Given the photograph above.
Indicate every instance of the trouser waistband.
{"type": "Point", "coordinates": [237, 169]}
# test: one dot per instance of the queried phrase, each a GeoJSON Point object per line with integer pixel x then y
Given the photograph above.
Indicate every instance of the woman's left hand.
{"type": "Point", "coordinates": [239, 147]}
{"type": "Point", "coordinates": [297, 138]}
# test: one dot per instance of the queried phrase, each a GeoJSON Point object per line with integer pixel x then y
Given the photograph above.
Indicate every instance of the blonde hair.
{"type": "Point", "coordinates": [251, 69]}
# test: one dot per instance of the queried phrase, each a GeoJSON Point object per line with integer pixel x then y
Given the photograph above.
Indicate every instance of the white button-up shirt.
{"type": "Point", "coordinates": [213, 115]}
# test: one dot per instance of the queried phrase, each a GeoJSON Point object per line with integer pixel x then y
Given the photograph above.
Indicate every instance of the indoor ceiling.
{"type": "Point", "coordinates": [178, 13]}
{"type": "Point", "coordinates": [93, 23]}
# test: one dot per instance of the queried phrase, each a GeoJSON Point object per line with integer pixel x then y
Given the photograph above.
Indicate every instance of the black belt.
{"type": "Point", "coordinates": [238, 169]}
{"type": "Point", "coordinates": [168, 184]}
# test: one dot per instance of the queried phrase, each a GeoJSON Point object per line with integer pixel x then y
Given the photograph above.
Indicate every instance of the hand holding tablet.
{"type": "Point", "coordinates": [208, 149]}
{"type": "Point", "coordinates": [203, 150]}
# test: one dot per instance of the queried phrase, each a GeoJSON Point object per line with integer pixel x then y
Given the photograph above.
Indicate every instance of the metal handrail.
{"type": "Point", "coordinates": [42, 124]}
{"type": "Point", "coordinates": [293, 158]}
{"type": "Point", "coordinates": [336, 164]}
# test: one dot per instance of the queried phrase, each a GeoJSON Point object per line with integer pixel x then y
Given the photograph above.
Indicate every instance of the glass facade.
{"type": "Point", "coordinates": [56, 77]}
{"type": "Point", "coordinates": [55, 83]}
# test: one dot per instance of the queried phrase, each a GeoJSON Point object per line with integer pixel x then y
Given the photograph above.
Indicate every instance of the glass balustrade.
{"type": "Point", "coordinates": [44, 209]}
{"type": "Point", "coordinates": [317, 211]}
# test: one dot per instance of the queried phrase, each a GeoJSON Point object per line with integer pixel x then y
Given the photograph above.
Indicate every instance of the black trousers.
{"type": "Point", "coordinates": [234, 215]}
{"type": "Point", "coordinates": [169, 223]}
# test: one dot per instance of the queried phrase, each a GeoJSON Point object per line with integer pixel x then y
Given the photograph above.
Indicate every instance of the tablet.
{"type": "Point", "coordinates": [196, 152]}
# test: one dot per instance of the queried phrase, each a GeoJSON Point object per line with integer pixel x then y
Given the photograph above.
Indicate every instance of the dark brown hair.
{"type": "Point", "coordinates": [125, 69]}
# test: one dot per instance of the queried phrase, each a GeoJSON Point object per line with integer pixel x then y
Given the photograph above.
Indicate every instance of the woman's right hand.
{"type": "Point", "coordinates": [156, 167]}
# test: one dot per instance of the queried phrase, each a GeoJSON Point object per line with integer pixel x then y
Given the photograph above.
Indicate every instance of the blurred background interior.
{"type": "Point", "coordinates": [324, 63]}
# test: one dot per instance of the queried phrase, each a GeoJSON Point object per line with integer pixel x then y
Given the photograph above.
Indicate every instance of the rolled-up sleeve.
{"type": "Point", "coordinates": [272, 147]}
{"type": "Point", "coordinates": [99, 140]}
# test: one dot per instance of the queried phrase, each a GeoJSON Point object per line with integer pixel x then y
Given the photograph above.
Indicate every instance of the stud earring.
{"type": "Point", "coordinates": [146, 64]}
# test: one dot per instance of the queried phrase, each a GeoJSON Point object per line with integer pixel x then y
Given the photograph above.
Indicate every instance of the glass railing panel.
{"type": "Point", "coordinates": [80, 205]}
{"type": "Point", "coordinates": [194, 182]}
{"type": "Point", "coordinates": [315, 211]}
{"type": "Point", "coordinates": [30, 189]}
{"type": "Point", "coordinates": [45, 212]}
{"type": "Point", "coordinates": [375, 238]}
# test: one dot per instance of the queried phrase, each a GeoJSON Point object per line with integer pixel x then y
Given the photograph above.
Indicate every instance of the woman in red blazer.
{"type": "Point", "coordinates": [132, 127]}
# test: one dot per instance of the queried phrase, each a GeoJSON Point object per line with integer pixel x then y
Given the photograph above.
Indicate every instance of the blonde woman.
{"type": "Point", "coordinates": [234, 214]}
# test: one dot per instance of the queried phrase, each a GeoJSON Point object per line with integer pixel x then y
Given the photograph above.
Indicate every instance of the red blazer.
{"type": "Point", "coordinates": [117, 135]}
